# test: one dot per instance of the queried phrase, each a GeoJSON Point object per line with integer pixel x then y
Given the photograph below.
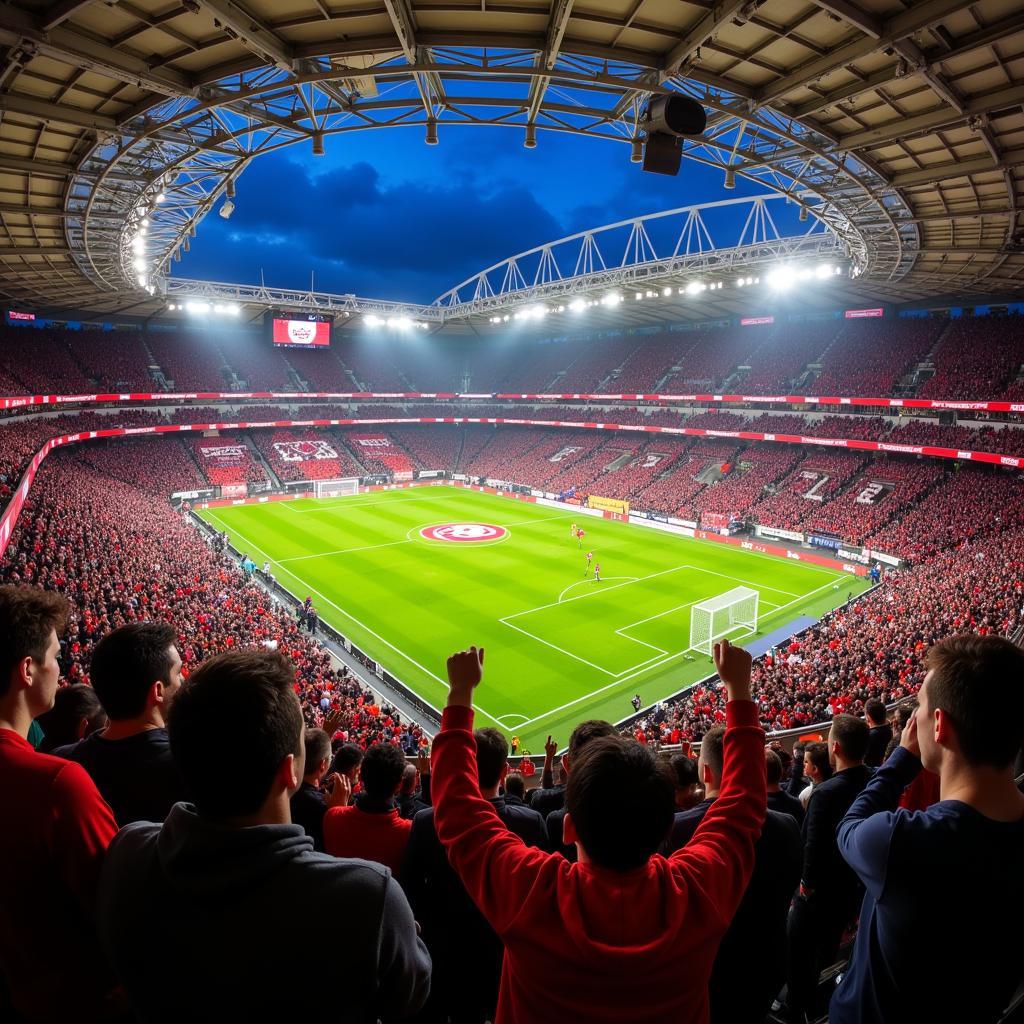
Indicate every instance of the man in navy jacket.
{"type": "Point", "coordinates": [945, 887]}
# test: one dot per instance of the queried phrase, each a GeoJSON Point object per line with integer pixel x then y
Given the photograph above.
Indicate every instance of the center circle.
{"type": "Point", "coordinates": [463, 533]}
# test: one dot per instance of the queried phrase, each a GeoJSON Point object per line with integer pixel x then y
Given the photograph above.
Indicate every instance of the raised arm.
{"type": "Point", "coordinates": [865, 834]}
{"type": "Point", "coordinates": [494, 864]}
{"type": "Point", "coordinates": [722, 848]}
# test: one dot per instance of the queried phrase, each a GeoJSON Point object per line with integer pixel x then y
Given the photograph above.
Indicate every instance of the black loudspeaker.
{"type": "Point", "coordinates": [947, 418]}
{"type": "Point", "coordinates": [668, 119]}
{"type": "Point", "coordinates": [662, 153]}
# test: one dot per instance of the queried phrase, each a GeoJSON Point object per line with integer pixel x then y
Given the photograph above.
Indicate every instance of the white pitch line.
{"type": "Point", "coordinates": [584, 583]}
{"type": "Point", "coordinates": [555, 647]}
{"type": "Point", "coordinates": [343, 551]}
{"type": "Point", "coordinates": [354, 506]}
{"type": "Point", "coordinates": [348, 615]}
{"type": "Point", "coordinates": [646, 668]}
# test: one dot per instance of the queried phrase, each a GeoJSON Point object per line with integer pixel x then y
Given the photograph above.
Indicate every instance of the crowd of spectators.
{"type": "Point", "coordinates": [305, 455]}
{"type": "Point", "coordinates": [977, 359]}
{"type": "Point", "coordinates": [227, 460]}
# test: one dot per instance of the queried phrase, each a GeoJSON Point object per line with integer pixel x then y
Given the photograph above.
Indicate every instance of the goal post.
{"type": "Point", "coordinates": [719, 616]}
{"type": "Point", "coordinates": [336, 488]}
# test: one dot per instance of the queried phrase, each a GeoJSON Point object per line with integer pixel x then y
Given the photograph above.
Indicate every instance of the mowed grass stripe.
{"type": "Point", "coordinates": [410, 604]}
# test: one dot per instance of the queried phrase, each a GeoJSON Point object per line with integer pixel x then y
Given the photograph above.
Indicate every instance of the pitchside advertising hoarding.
{"type": "Point", "coordinates": [863, 314]}
{"type": "Point", "coordinates": [299, 330]}
{"type": "Point", "coordinates": [753, 321]}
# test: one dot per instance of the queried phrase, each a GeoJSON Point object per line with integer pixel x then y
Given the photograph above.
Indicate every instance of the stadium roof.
{"type": "Point", "coordinates": [902, 123]}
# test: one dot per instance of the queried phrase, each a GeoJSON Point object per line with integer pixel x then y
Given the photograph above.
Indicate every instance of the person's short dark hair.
{"type": "Point", "coordinates": [773, 767]}
{"type": "Point", "coordinates": [70, 706]}
{"type": "Point", "coordinates": [684, 769]}
{"type": "Point", "coordinates": [592, 729]}
{"type": "Point", "coordinates": [621, 799]}
{"type": "Point", "coordinates": [410, 780]}
{"type": "Point", "coordinates": [712, 749]}
{"type": "Point", "coordinates": [252, 693]}
{"type": "Point", "coordinates": [491, 756]}
{"type": "Point", "coordinates": [904, 713]}
{"type": "Point", "coordinates": [978, 681]}
{"type": "Point", "coordinates": [127, 662]}
{"type": "Point", "coordinates": [347, 757]}
{"type": "Point", "coordinates": [875, 712]}
{"type": "Point", "coordinates": [816, 753]}
{"type": "Point", "coordinates": [381, 770]}
{"type": "Point", "coordinates": [515, 785]}
{"type": "Point", "coordinates": [852, 735]}
{"type": "Point", "coordinates": [27, 616]}
{"type": "Point", "coordinates": [318, 748]}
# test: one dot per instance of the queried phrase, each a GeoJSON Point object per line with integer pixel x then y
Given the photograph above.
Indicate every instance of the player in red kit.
{"type": "Point", "coordinates": [597, 571]}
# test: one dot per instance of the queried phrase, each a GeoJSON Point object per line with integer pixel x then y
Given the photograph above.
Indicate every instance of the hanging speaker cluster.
{"type": "Point", "coordinates": [668, 120]}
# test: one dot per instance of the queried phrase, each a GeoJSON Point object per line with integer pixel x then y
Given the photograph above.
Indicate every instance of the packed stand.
{"type": "Point", "coordinates": [227, 460]}
{"type": "Point", "coordinates": [39, 358]}
{"type": "Point", "coordinates": [868, 358]}
{"type": "Point", "coordinates": [978, 359]}
{"type": "Point", "coordinates": [755, 468]}
{"type": "Point", "coordinates": [189, 361]}
{"type": "Point", "coordinates": [785, 354]}
{"type": "Point", "coordinates": [305, 455]}
{"type": "Point", "coordinates": [116, 360]}
{"type": "Point", "coordinates": [817, 478]}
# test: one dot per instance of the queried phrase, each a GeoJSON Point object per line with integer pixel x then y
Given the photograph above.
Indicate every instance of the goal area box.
{"type": "Point", "coordinates": [719, 616]}
{"type": "Point", "coordinates": [335, 488]}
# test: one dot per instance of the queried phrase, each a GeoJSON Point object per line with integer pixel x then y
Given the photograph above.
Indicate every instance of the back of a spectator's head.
{"type": "Point", "coordinates": [410, 780]}
{"type": "Point", "coordinates": [76, 713]}
{"type": "Point", "coordinates": [972, 701]}
{"type": "Point", "coordinates": [772, 767]}
{"type": "Point", "coordinates": [684, 770]}
{"type": "Point", "coordinates": [904, 713]}
{"type": "Point", "coordinates": [318, 750]}
{"type": "Point", "coordinates": [491, 757]}
{"type": "Point", "coordinates": [29, 616]}
{"type": "Point", "coordinates": [620, 801]}
{"type": "Point", "coordinates": [127, 663]}
{"type": "Point", "coordinates": [874, 711]}
{"type": "Point", "coordinates": [515, 785]}
{"type": "Point", "coordinates": [381, 770]}
{"type": "Point", "coordinates": [347, 759]}
{"type": "Point", "coordinates": [816, 756]}
{"type": "Point", "coordinates": [592, 729]}
{"type": "Point", "coordinates": [252, 694]}
{"type": "Point", "coordinates": [850, 735]}
{"type": "Point", "coordinates": [712, 753]}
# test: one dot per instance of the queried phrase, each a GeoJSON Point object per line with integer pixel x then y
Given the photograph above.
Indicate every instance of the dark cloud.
{"type": "Point", "coordinates": [357, 233]}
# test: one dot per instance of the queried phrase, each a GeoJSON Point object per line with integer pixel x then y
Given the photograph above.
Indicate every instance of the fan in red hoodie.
{"type": "Point", "coordinates": [624, 933]}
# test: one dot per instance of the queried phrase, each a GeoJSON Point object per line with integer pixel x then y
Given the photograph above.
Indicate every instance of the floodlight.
{"type": "Point", "coordinates": [530, 142]}
{"type": "Point", "coordinates": [577, 306]}
{"type": "Point", "coordinates": [227, 208]}
{"type": "Point", "coordinates": [318, 143]}
{"type": "Point", "coordinates": [431, 137]}
{"type": "Point", "coordinates": [730, 177]}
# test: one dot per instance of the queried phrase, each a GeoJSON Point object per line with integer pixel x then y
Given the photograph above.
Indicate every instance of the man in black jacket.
{"type": "Point", "coordinates": [308, 807]}
{"type": "Point", "coordinates": [830, 892]}
{"type": "Point", "coordinates": [136, 672]}
{"type": "Point", "coordinates": [229, 882]}
{"type": "Point", "coordinates": [750, 967]}
{"type": "Point", "coordinates": [778, 799]}
{"type": "Point", "coordinates": [466, 953]}
{"type": "Point", "coordinates": [554, 822]}
{"type": "Point", "coordinates": [879, 735]}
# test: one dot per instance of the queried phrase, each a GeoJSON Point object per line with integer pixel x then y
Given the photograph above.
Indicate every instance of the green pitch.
{"type": "Point", "coordinates": [561, 647]}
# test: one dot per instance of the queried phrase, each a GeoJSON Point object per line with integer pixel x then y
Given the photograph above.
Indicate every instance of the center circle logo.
{"type": "Point", "coordinates": [463, 533]}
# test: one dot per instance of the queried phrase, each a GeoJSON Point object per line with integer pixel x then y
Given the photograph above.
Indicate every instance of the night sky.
{"type": "Point", "coordinates": [384, 215]}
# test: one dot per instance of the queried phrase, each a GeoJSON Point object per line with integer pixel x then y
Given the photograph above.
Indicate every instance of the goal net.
{"type": "Point", "coordinates": [336, 488]}
{"type": "Point", "coordinates": [719, 616]}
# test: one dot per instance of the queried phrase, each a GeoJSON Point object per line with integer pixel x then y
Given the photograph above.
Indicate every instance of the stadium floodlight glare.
{"type": "Point", "coordinates": [372, 321]}
{"type": "Point", "coordinates": [577, 306]}
{"type": "Point", "coordinates": [781, 278]}
{"type": "Point", "coordinates": [197, 307]}
{"type": "Point", "coordinates": [639, 296]}
{"type": "Point", "coordinates": [694, 287]}
{"type": "Point", "coordinates": [611, 300]}
{"type": "Point", "coordinates": [825, 270]}
{"type": "Point", "coordinates": [139, 265]}
{"type": "Point", "coordinates": [666, 292]}
{"type": "Point", "coordinates": [160, 197]}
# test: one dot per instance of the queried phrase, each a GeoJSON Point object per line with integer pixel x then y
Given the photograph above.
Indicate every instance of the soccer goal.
{"type": "Point", "coordinates": [336, 488]}
{"type": "Point", "coordinates": [717, 617]}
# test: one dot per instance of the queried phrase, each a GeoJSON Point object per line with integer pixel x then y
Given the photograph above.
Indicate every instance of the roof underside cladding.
{"type": "Point", "coordinates": [927, 95]}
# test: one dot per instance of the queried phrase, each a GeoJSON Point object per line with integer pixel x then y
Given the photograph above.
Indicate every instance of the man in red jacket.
{"type": "Point", "coordinates": [56, 829]}
{"type": "Point", "coordinates": [624, 933]}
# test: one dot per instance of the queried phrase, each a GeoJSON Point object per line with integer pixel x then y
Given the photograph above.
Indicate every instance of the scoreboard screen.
{"type": "Point", "coordinates": [299, 330]}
